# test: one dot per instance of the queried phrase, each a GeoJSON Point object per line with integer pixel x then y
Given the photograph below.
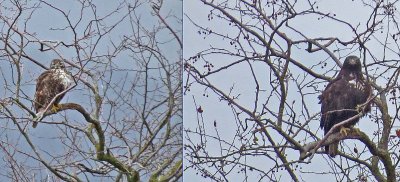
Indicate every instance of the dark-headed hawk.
{"type": "Point", "coordinates": [343, 97]}
{"type": "Point", "coordinates": [49, 84]}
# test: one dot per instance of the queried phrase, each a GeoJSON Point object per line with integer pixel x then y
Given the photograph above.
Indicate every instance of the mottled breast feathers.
{"type": "Point", "coordinates": [50, 83]}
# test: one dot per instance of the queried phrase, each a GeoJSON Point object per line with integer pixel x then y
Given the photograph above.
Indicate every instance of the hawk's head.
{"type": "Point", "coordinates": [352, 64]}
{"type": "Point", "coordinates": [57, 64]}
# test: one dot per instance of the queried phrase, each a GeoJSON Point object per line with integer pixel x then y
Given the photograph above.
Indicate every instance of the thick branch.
{"type": "Point", "coordinates": [361, 136]}
{"type": "Point", "coordinates": [132, 174]}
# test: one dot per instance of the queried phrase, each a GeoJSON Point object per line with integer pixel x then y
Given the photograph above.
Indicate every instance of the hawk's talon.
{"type": "Point", "coordinates": [55, 108]}
{"type": "Point", "coordinates": [359, 108]}
{"type": "Point", "coordinates": [344, 131]}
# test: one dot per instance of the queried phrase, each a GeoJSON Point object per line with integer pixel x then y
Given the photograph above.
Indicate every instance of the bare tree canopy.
{"type": "Point", "coordinates": [253, 71]}
{"type": "Point", "coordinates": [121, 119]}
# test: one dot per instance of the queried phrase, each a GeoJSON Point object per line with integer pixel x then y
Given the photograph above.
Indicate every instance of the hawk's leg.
{"type": "Point", "coordinates": [55, 107]}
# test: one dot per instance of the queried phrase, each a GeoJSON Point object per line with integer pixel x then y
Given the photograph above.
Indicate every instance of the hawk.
{"type": "Point", "coordinates": [342, 99]}
{"type": "Point", "coordinates": [49, 84]}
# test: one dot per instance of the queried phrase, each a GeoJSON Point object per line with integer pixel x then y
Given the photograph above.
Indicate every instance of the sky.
{"type": "Point", "coordinates": [238, 76]}
{"type": "Point", "coordinates": [47, 24]}
{"type": "Point", "coordinates": [194, 43]}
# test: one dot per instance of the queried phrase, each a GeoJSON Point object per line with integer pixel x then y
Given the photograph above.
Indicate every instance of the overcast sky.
{"type": "Point", "coordinates": [48, 24]}
{"type": "Point", "coordinates": [350, 11]}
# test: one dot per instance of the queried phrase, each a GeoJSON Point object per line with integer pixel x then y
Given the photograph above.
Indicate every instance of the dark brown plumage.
{"type": "Point", "coordinates": [342, 97]}
{"type": "Point", "coordinates": [49, 84]}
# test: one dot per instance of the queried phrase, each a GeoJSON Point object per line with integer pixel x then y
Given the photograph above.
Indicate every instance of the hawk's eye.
{"type": "Point", "coordinates": [57, 65]}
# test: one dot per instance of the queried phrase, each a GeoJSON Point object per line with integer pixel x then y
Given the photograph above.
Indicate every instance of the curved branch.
{"type": "Point", "coordinates": [102, 155]}
{"type": "Point", "coordinates": [361, 136]}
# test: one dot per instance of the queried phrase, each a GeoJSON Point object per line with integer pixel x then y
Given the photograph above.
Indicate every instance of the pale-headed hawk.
{"type": "Point", "coordinates": [49, 84]}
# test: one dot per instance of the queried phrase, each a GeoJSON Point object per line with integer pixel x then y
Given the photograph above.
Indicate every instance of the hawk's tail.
{"type": "Point", "coordinates": [39, 117]}
{"type": "Point", "coordinates": [35, 123]}
{"type": "Point", "coordinates": [332, 149]}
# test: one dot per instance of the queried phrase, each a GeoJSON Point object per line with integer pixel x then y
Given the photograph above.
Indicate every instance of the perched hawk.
{"type": "Point", "coordinates": [49, 84]}
{"type": "Point", "coordinates": [342, 97]}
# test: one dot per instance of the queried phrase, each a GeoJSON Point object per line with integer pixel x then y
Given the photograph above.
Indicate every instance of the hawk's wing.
{"type": "Point", "coordinates": [340, 99]}
{"type": "Point", "coordinates": [43, 90]}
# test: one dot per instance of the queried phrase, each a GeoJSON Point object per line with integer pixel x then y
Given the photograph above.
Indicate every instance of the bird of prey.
{"type": "Point", "coordinates": [50, 85]}
{"type": "Point", "coordinates": [342, 99]}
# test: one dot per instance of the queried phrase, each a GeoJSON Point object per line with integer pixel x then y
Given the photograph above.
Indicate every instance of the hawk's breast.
{"type": "Point", "coordinates": [356, 84]}
{"type": "Point", "coordinates": [66, 79]}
